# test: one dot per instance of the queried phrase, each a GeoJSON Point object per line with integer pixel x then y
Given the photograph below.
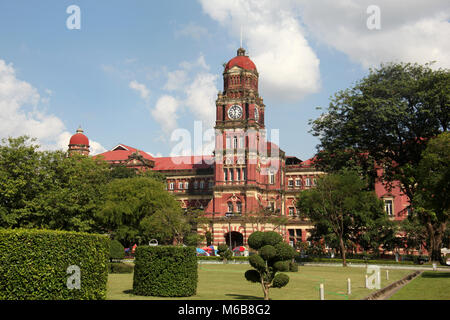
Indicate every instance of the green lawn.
{"type": "Point", "coordinates": [223, 282]}
{"type": "Point", "coordinates": [431, 285]}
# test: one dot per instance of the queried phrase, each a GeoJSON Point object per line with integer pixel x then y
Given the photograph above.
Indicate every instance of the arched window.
{"type": "Point", "coordinates": [230, 207]}
{"type": "Point", "coordinates": [239, 207]}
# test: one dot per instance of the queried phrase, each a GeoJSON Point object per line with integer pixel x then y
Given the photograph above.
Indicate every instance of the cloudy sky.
{"type": "Point", "coordinates": [136, 71]}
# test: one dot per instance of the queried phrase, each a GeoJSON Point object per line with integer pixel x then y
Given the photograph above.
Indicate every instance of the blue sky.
{"type": "Point", "coordinates": [136, 70]}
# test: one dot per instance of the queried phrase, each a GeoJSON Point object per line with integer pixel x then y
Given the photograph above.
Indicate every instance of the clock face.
{"type": "Point", "coordinates": [256, 114]}
{"type": "Point", "coordinates": [235, 112]}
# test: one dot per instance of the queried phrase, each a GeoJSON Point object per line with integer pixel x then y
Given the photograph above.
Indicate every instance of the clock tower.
{"type": "Point", "coordinates": [240, 139]}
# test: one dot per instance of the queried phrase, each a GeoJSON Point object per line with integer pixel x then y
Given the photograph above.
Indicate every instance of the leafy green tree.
{"type": "Point", "coordinates": [432, 201]}
{"type": "Point", "coordinates": [47, 189]}
{"type": "Point", "coordinates": [274, 256]}
{"type": "Point", "coordinates": [19, 178]}
{"type": "Point", "coordinates": [224, 252]}
{"type": "Point", "coordinates": [140, 209]}
{"type": "Point", "coordinates": [385, 119]}
{"type": "Point", "coordinates": [343, 207]}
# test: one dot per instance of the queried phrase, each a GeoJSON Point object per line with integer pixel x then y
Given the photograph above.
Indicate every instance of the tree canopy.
{"type": "Point", "coordinates": [342, 207]}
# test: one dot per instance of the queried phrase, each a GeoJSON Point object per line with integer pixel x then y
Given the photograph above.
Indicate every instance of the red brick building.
{"type": "Point", "coordinates": [246, 174]}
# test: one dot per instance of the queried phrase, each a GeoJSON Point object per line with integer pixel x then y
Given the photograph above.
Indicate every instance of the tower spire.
{"type": "Point", "coordinates": [241, 35]}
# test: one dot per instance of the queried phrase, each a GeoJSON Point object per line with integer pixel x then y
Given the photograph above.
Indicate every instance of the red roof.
{"type": "Point", "coordinates": [122, 152]}
{"type": "Point", "coordinates": [241, 61]}
{"type": "Point", "coordinates": [79, 139]}
{"type": "Point", "coordinates": [183, 163]}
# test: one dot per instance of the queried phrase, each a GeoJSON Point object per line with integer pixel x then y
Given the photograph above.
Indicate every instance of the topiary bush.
{"type": "Point", "coordinates": [293, 266]}
{"type": "Point", "coordinates": [38, 265]}
{"type": "Point", "coordinates": [274, 256]}
{"type": "Point", "coordinates": [165, 271]}
{"type": "Point", "coordinates": [116, 250]}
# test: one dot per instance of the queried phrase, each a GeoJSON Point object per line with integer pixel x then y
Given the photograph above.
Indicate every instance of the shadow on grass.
{"type": "Point", "coordinates": [243, 297]}
{"type": "Point", "coordinates": [129, 291]}
{"type": "Point", "coordinates": [432, 274]}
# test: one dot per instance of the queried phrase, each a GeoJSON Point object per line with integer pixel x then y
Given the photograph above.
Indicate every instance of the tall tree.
{"type": "Point", "coordinates": [432, 201]}
{"type": "Point", "coordinates": [47, 189]}
{"type": "Point", "coordinates": [385, 119]}
{"type": "Point", "coordinates": [343, 207]}
{"type": "Point", "coordinates": [140, 209]}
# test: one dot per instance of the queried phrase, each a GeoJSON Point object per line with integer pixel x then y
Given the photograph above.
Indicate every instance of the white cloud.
{"type": "Point", "coordinates": [165, 113]}
{"type": "Point", "coordinates": [200, 97]}
{"type": "Point", "coordinates": [288, 67]}
{"type": "Point", "coordinates": [140, 88]}
{"type": "Point", "coordinates": [21, 113]}
{"type": "Point", "coordinates": [411, 31]}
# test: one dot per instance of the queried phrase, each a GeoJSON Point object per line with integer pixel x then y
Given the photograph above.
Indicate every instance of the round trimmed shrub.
{"type": "Point", "coordinates": [165, 271]}
{"type": "Point", "coordinates": [271, 238]}
{"type": "Point", "coordinates": [284, 251]}
{"type": "Point", "coordinates": [116, 250]}
{"type": "Point", "coordinates": [282, 266]}
{"type": "Point", "coordinates": [37, 265]}
{"type": "Point", "coordinates": [252, 276]}
{"type": "Point", "coordinates": [257, 262]}
{"type": "Point", "coordinates": [280, 280]}
{"type": "Point", "coordinates": [256, 240]}
{"type": "Point", "coordinates": [268, 252]}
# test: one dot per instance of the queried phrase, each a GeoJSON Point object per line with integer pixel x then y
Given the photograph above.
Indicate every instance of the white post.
{"type": "Point", "coordinates": [387, 274]}
{"type": "Point", "coordinates": [434, 266]}
{"type": "Point", "coordinates": [349, 286]}
{"type": "Point", "coordinates": [367, 282]}
{"type": "Point", "coordinates": [378, 279]}
{"type": "Point", "coordinates": [321, 292]}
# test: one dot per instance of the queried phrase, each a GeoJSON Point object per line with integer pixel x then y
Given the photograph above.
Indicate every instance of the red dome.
{"type": "Point", "coordinates": [79, 138]}
{"type": "Point", "coordinates": [241, 60]}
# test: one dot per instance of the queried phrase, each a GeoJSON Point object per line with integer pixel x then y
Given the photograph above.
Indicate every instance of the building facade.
{"type": "Point", "coordinates": [247, 178]}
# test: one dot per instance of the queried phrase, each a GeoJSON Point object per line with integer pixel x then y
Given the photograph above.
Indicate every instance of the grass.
{"type": "Point", "coordinates": [227, 282]}
{"type": "Point", "coordinates": [430, 285]}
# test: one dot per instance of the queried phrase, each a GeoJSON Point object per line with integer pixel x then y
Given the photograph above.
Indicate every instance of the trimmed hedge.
{"type": "Point", "coordinates": [120, 267]}
{"type": "Point", "coordinates": [165, 271]}
{"type": "Point", "coordinates": [34, 264]}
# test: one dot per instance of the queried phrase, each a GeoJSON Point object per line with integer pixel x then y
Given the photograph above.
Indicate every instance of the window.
{"type": "Point", "coordinates": [225, 174]}
{"type": "Point", "coordinates": [308, 182]}
{"type": "Point", "coordinates": [314, 182]}
{"type": "Point", "coordinates": [171, 186]}
{"type": "Point", "coordinates": [231, 174]}
{"type": "Point", "coordinates": [244, 174]}
{"type": "Point", "coordinates": [235, 142]}
{"type": "Point", "coordinates": [272, 206]}
{"type": "Point", "coordinates": [241, 142]}
{"type": "Point", "coordinates": [180, 185]}
{"type": "Point", "coordinates": [228, 143]}
{"type": "Point", "coordinates": [239, 207]}
{"type": "Point", "coordinates": [291, 211]}
{"type": "Point", "coordinates": [238, 174]}
{"type": "Point", "coordinates": [202, 184]}
{"type": "Point", "coordinates": [271, 177]}
{"type": "Point", "coordinates": [195, 184]}
{"type": "Point", "coordinates": [230, 207]}
{"type": "Point", "coordinates": [210, 184]}
{"type": "Point", "coordinates": [298, 182]}
{"type": "Point", "coordinates": [388, 207]}
{"type": "Point", "coordinates": [291, 183]}
{"type": "Point", "coordinates": [186, 185]}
